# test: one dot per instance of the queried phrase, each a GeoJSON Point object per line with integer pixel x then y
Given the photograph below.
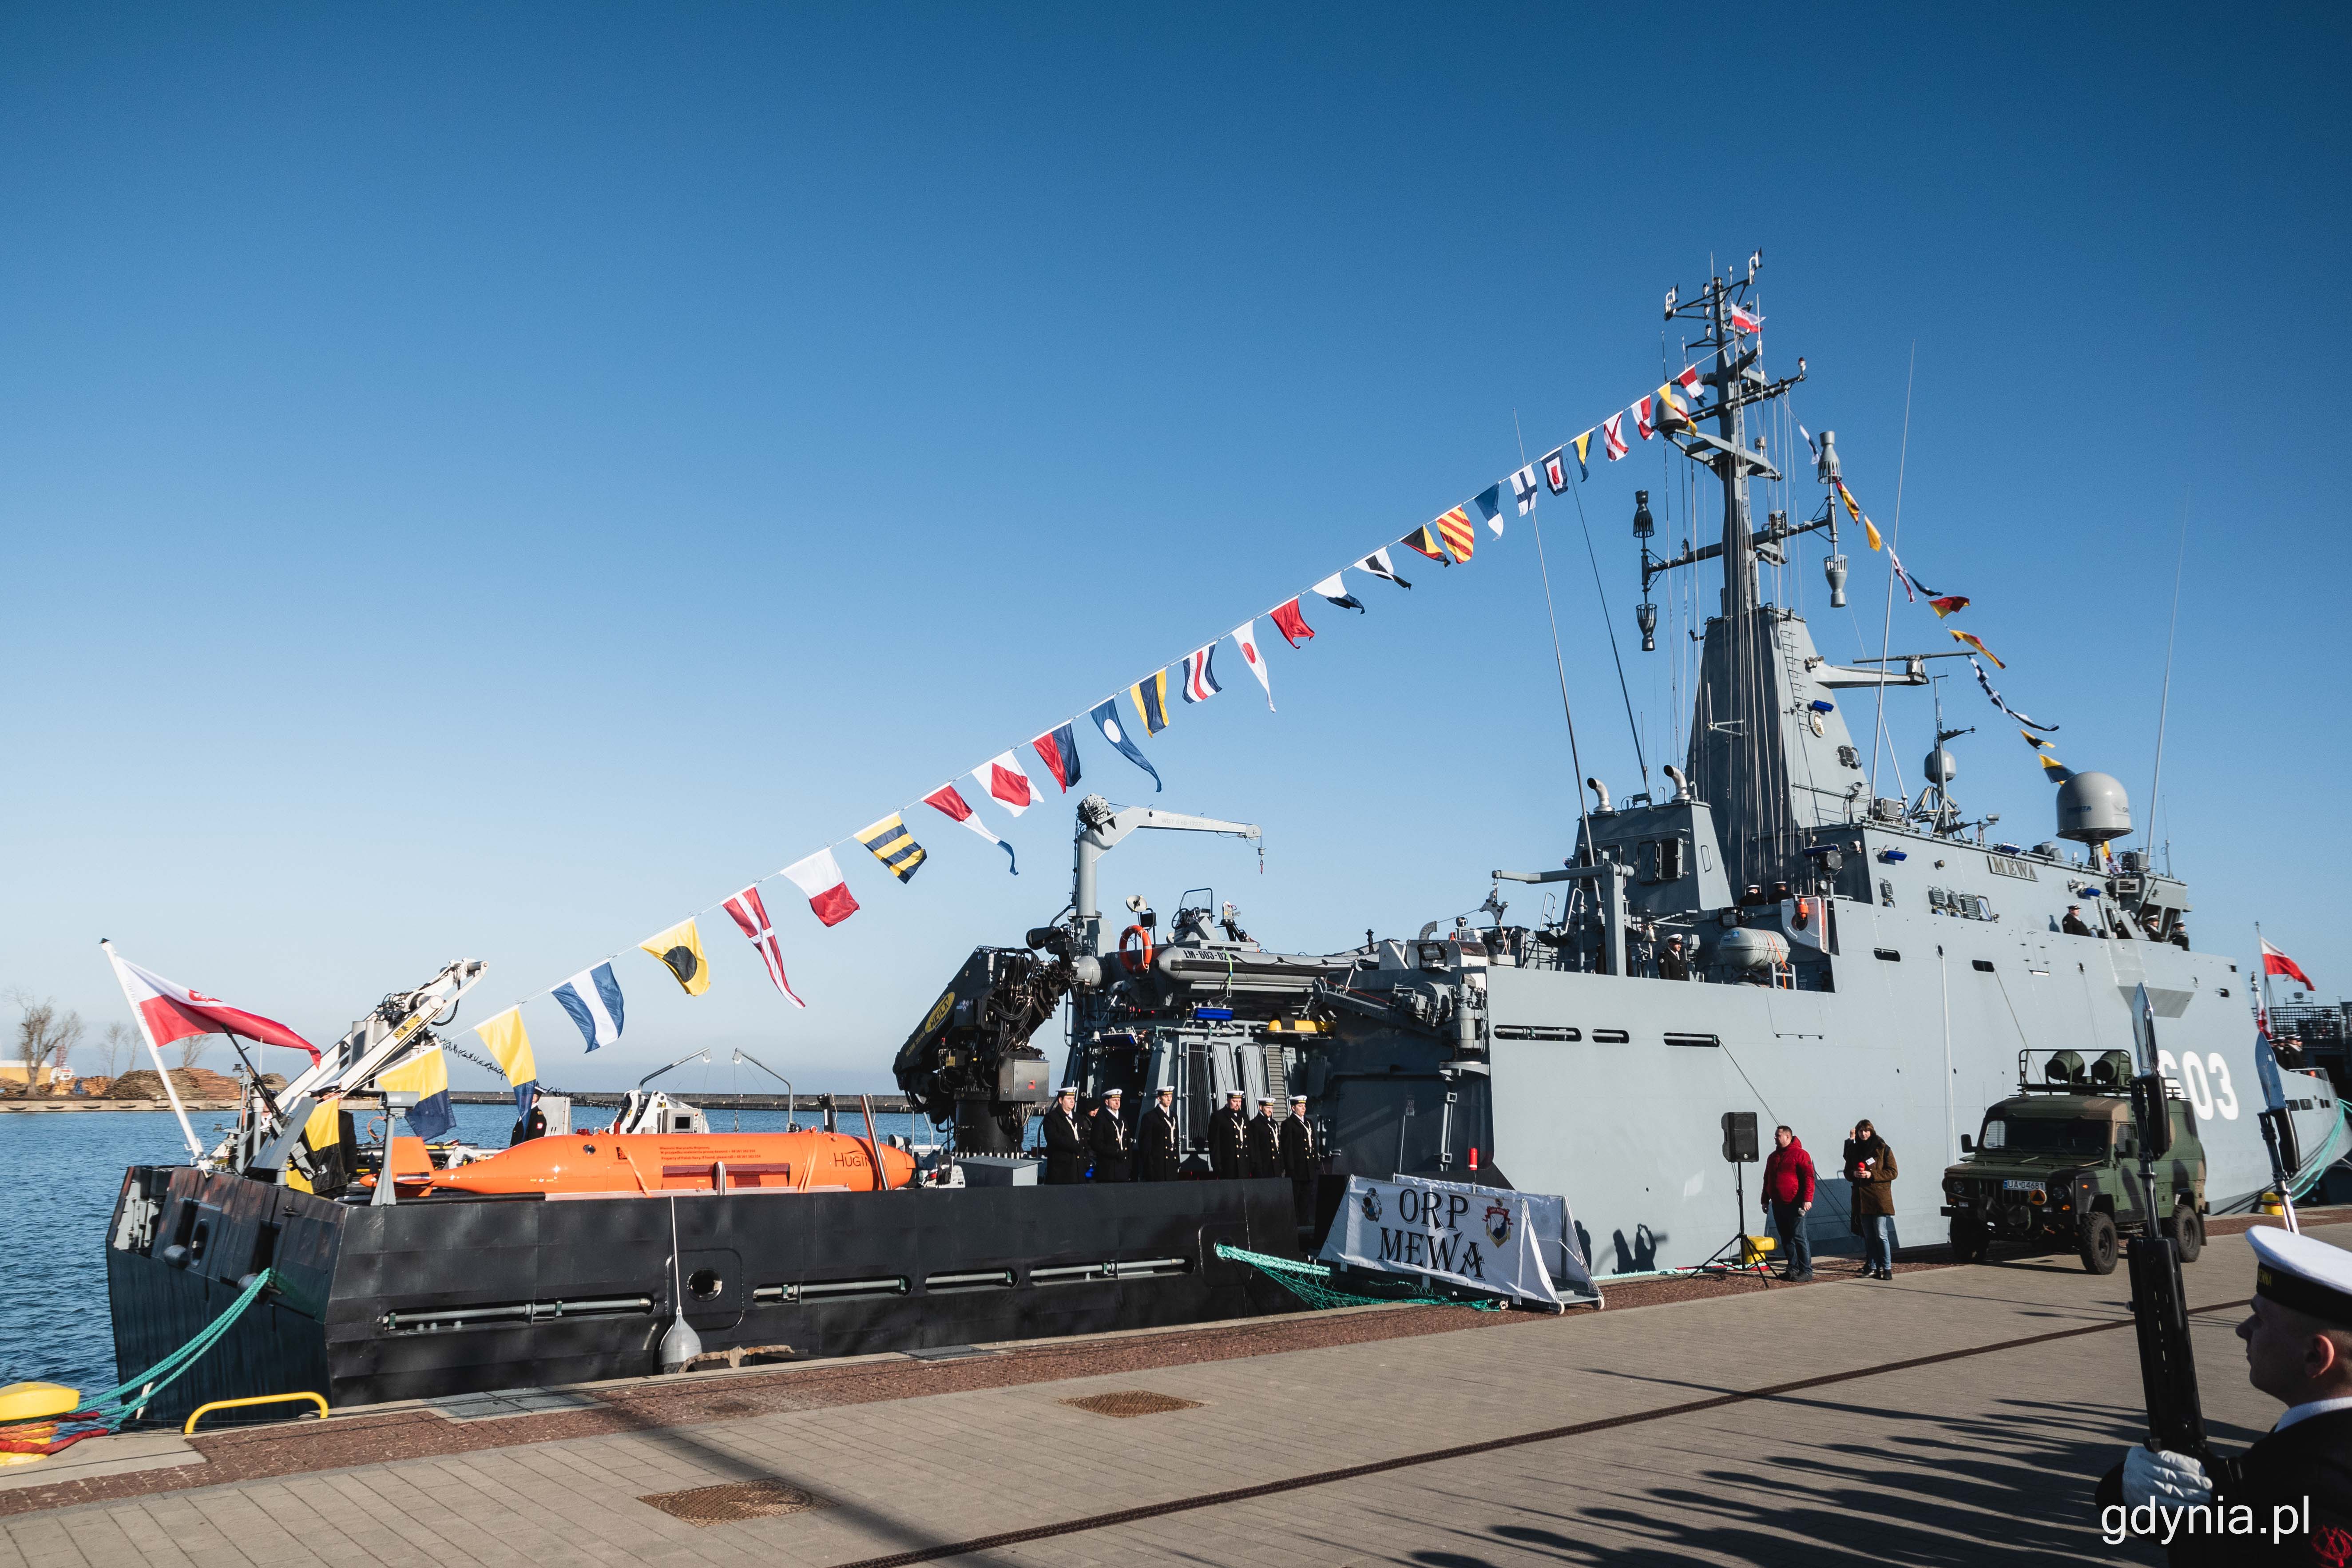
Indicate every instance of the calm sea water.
{"type": "Point", "coordinates": [58, 1178]}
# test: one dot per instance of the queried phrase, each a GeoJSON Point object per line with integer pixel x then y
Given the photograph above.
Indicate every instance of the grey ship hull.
{"type": "Point", "coordinates": [1921, 1044]}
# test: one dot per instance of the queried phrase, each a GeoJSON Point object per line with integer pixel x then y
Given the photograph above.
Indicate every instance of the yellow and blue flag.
{"type": "Point", "coordinates": [1150, 696]}
{"type": "Point", "coordinates": [889, 842]}
{"type": "Point", "coordinates": [509, 1045]}
{"type": "Point", "coordinates": [427, 1077]}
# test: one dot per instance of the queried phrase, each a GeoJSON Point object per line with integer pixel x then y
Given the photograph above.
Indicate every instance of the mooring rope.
{"type": "Point", "coordinates": [108, 1411]}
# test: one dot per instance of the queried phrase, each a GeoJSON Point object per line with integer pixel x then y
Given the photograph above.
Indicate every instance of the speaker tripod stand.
{"type": "Point", "coordinates": [1734, 1256]}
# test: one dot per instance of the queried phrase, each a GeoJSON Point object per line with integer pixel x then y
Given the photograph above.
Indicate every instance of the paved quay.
{"type": "Point", "coordinates": [1951, 1416]}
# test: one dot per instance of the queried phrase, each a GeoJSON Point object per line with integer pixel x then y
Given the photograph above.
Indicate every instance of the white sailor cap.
{"type": "Point", "coordinates": [1267, 1100]}
{"type": "Point", "coordinates": [1298, 1100]}
{"type": "Point", "coordinates": [2304, 1273]}
{"type": "Point", "coordinates": [1110, 1094]}
{"type": "Point", "coordinates": [1066, 1089]}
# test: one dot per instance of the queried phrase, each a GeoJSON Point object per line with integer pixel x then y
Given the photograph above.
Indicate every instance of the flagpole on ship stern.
{"type": "Point", "coordinates": [195, 1150]}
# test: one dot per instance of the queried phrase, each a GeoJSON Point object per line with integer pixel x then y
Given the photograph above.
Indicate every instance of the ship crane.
{"type": "Point", "coordinates": [970, 1060]}
{"type": "Point", "coordinates": [400, 1027]}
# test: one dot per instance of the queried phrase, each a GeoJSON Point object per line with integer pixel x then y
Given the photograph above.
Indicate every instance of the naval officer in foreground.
{"type": "Point", "coordinates": [2288, 1499]}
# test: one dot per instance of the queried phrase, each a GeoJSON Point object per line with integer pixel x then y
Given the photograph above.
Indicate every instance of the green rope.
{"type": "Point", "coordinates": [1302, 1279]}
{"type": "Point", "coordinates": [109, 1410]}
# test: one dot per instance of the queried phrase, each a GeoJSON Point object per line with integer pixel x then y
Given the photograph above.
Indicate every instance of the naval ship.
{"type": "Point", "coordinates": [1843, 955]}
{"type": "Point", "coordinates": [1849, 955]}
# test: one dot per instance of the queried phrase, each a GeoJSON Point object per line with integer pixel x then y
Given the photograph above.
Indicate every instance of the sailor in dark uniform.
{"type": "Point", "coordinates": [1299, 1157]}
{"type": "Point", "coordinates": [1265, 1141]}
{"type": "Point", "coordinates": [1113, 1151]}
{"type": "Point", "coordinates": [1229, 1140]}
{"type": "Point", "coordinates": [1066, 1144]}
{"type": "Point", "coordinates": [529, 1127]}
{"type": "Point", "coordinates": [1155, 1140]}
{"type": "Point", "coordinates": [2073, 924]}
{"type": "Point", "coordinates": [2288, 1499]}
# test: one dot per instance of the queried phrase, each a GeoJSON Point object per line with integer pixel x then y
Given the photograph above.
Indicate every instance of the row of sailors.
{"type": "Point", "coordinates": [1239, 1145]}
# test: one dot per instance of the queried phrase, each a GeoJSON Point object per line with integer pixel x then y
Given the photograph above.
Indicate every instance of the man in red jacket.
{"type": "Point", "coordinates": [1788, 1196]}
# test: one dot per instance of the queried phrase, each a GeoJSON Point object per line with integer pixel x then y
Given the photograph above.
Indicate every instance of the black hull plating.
{"type": "Point", "coordinates": [450, 1296]}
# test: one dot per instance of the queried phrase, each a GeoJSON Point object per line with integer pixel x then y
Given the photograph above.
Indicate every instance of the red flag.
{"type": "Point", "coordinates": [1292, 625]}
{"type": "Point", "coordinates": [2276, 962]}
{"type": "Point", "coordinates": [173, 1012]}
{"type": "Point", "coordinates": [1949, 605]}
{"type": "Point", "coordinates": [1000, 776]}
{"type": "Point", "coordinates": [750, 918]}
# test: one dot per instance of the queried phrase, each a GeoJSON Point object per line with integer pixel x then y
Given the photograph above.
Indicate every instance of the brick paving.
{"type": "Point", "coordinates": [910, 1455]}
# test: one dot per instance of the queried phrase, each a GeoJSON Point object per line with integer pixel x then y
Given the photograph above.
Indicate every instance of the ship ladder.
{"type": "Point", "coordinates": [106, 1413]}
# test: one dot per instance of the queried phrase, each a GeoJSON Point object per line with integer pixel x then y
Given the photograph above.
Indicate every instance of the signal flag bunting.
{"type": "Point", "coordinates": [819, 877]}
{"type": "Point", "coordinates": [956, 809]}
{"type": "Point", "coordinates": [750, 914]}
{"type": "Point", "coordinates": [1105, 717]}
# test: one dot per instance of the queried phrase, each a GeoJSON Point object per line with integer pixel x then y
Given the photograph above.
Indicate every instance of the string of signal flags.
{"type": "Point", "coordinates": [593, 1000]}
{"type": "Point", "coordinates": [1944, 605]}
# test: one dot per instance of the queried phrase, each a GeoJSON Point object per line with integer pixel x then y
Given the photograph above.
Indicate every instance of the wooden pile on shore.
{"type": "Point", "coordinates": [193, 1083]}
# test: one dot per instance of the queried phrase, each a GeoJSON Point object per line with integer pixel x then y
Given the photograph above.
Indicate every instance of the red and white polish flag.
{"type": "Point", "coordinates": [2276, 962]}
{"type": "Point", "coordinates": [750, 918]}
{"type": "Point", "coordinates": [819, 875]}
{"type": "Point", "coordinates": [173, 1012]}
{"type": "Point", "coordinates": [1246, 639]}
{"type": "Point", "coordinates": [1002, 777]}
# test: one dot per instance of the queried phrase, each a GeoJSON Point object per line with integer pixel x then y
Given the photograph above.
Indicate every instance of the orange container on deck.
{"type": "Point", "coordinates": [680, 1163]}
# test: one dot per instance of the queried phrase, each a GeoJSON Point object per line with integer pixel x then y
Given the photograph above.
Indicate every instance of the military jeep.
{"type": "Point", "coordinates": [2059, 1166]}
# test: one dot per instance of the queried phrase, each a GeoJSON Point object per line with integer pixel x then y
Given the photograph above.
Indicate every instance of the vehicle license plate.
{"type": "Point", "coordinates": [2018, 1187]}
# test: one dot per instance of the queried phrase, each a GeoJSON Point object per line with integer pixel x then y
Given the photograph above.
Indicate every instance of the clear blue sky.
{"type": "Point", "coordinates": [489, 482]}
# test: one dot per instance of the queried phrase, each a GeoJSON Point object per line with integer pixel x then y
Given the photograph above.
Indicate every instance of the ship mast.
{"type": "Point", "coordinates": [1737, 755]}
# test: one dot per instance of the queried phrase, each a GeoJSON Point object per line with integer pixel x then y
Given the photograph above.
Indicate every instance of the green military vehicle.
{"type": "Point", "coordinates": [2059, 1165]}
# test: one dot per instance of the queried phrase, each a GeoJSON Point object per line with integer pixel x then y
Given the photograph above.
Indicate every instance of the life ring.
{"type": "Point", "coordinates": [1126, 955]}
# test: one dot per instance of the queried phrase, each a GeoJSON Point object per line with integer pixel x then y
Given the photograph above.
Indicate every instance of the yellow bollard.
{"type": "Point", "coordinates": [32, 1402]}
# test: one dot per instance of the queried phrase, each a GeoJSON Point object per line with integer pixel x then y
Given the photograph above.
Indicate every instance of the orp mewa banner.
{"type": "Point", "coordinates": [1481, 1238]}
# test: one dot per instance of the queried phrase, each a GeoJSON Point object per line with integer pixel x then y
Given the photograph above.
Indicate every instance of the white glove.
{"type": "Point", "coordinates": [2159, 1476]}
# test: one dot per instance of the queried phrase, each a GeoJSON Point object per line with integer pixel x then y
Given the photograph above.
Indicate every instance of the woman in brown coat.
{"type": "Point", "coordinates": [1870, 1168]}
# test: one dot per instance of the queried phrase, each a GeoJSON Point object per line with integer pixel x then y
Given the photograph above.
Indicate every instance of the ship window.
{"type": "Point", "coordinates": [2225, 990]}
{"type": "Point", "coordinates": [1888, 953]}
{"type": "Point", "coordinates": [1610, 1037]}
{"type": "Point", "coordinates": [1714, 1040]}
{"type": "Point", "coordinates": [1981, 966]}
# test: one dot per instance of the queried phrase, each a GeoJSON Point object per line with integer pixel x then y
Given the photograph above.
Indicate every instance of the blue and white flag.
{"type": "Point", "coordinates": [1106, 718]}
{"type": "Point", "coordinates": [592, 997]}
{"type": "Point", "coordinates": [1523, 486]}
{"type": "Point", "coordinates": [1489, 502]}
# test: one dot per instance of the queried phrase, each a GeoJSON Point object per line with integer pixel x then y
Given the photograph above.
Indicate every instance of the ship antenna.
{"type": "Point", "coordinates": [1887, 628]}
{"type": "Point", "coordinates": [1600, 593]}
{"type": "Point", "coordinates": [1583, 812]}
{"type": "Point", "coordinates": [2164, 702]}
